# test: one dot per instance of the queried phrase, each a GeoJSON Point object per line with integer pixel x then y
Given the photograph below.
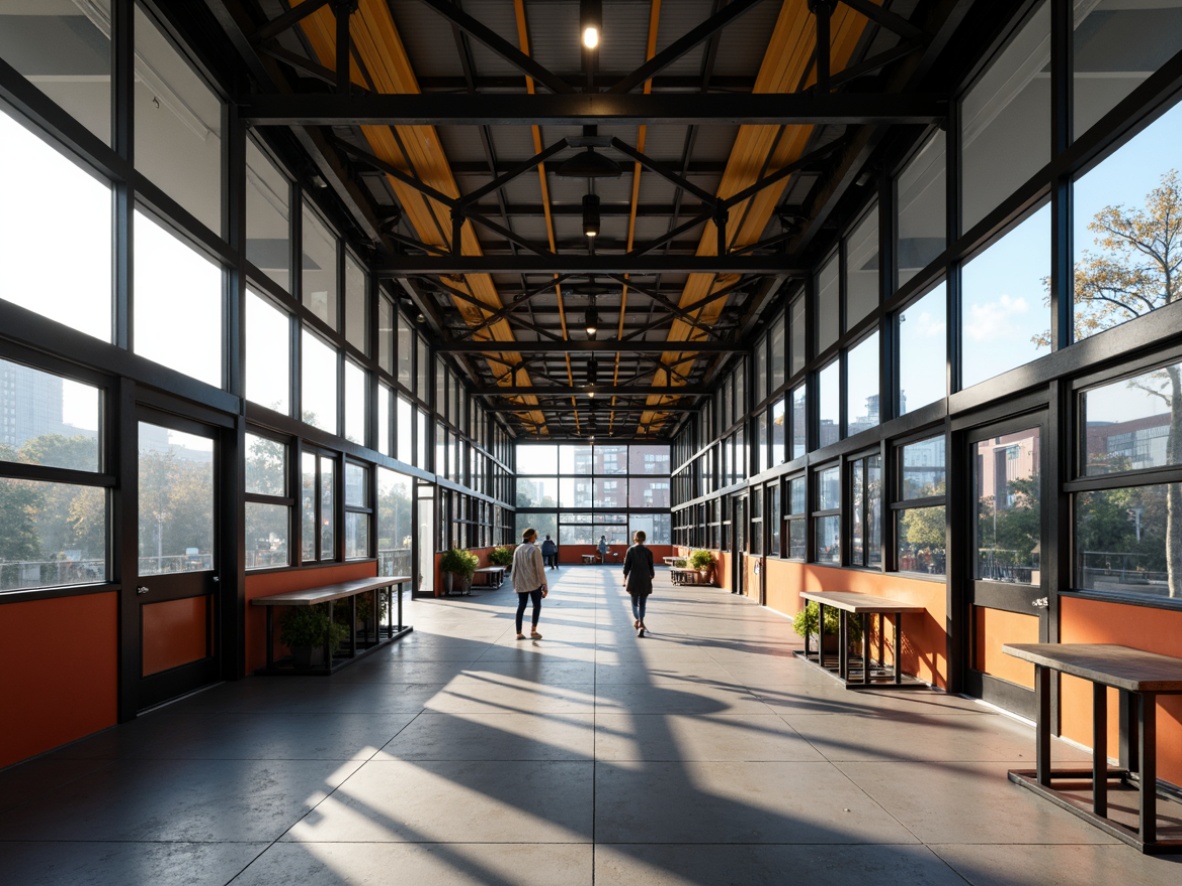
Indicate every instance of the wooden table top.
{"type": "Point", "coordinates": [1126, 668]}
{"type": "Point", "coordinates": [312, 596]}
{"type": "Point", "coordinates": [851, 601]}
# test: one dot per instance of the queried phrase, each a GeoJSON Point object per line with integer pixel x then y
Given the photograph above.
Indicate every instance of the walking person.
{"type": "Point", "coordinates": [529, 580]}
{"type": "Point", "coordinates": [550, 552]}
{"type": "Point", "coordinates": [603, 549]}
{"type": "Point", "coordinates": [638, 578]}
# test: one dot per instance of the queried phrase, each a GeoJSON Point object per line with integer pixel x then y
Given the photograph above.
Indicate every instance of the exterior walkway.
{"type": "Point", "coordinates": [701, 754]}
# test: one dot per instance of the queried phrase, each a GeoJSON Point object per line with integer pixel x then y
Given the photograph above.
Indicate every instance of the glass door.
{"type": "Point", "coordinates": [176, 579]}
{"type": "Point", "coordinates": [1007, 600]}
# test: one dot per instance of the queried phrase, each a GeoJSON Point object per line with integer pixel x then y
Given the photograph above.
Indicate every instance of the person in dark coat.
{"type": "Point", "coordinates": [550, 552]}
{"type": "Point", "coordinates": [638, 578]}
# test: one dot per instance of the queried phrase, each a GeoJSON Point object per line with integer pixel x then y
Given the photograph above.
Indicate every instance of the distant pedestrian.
{"type": "Point", "coordinates": [603, 549]}
{"type": "Point", "coordinates": [638, 578]}
{"type": "Point", "coordinates": [550, 552]}
{"type": "Point", "coordinates": [529, 580]}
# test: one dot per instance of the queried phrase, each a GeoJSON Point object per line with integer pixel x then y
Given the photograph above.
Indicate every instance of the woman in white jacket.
{"type": "Point", "coordinates": [529, 580]}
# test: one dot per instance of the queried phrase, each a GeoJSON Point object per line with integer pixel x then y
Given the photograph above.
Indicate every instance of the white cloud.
{"type": "Point", "coordinates": [994, 319]}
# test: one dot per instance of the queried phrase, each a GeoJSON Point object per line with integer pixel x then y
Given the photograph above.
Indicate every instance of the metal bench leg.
{"type": "Point", "coordinates": [1100, 749]}
{"type": "Point", "coordinates": [1147, 742]}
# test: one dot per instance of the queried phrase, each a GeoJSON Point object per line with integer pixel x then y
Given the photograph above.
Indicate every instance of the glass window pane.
{"type": "Point", "coordinates": [383, 419]}
{"type": "Point", "coordinates": [356, 535]}
{"type": "Point", "coordinates": [797, 500]}
{"type": "Point", "coordinates": [1126, 213]}
{"type": "Point", "coordinates": [537, 459]}
{"type": "Point", "coordinates": [395, 532]}
{"type": "Point", "coordinates": [772, 519]}
{"type": "Point", "coordinates": [178, 303]}
{"type": "Point", "coordinates": [874, 511]}
{"type": "Point", "coordinates": [575, 459]}
{"type": "Point", "coordinates": [64, 49]}
{"type": "Point", "coordinates": [656, 527]}
{"type": "Point", "coordinates": [422, 369]}
{"type": "Point", "coordinates": [308, 505]}
{"type": "Point", "coordinates": [268, 217]}
{"type": "Point", "coordinates": [356, 485]}
{"type": "Point", "coordinates": [1124, 543]}
{"type": "Point", "coordinates": [547, 524]}
{"type": "Point", "coordinates": [1117, 45]}
{"type": "Point", "coordinates": [266, 466]}
{"type": "Point", "coordinates": [826, 305]}
{"type": "Point", "coordinates": [422, 457]}
{"type": "Point", "coordinates": [574, 492]}
{"type": "Point", "coordinates": [778, 355]}
{"type": "Point", "coordinates": [268, 354]}
{"type": "Point", "coordinates": [356, 305]}
{"type": "Point", "coordinates": [404, 427]}
{"type": "Point", "coordinates": [1004, 313]}
{"type": "Point", "coordinates": [923, 470]}
{"type": "Point", "coordinates": [327, 511]}
{"type": "Point", "coordinates": [1130, 422]}
{"type": "Point", "coordinates": [319, 273]}
{"type": "Point", "coordinates": [646, 493]}
{"type": "Point", "coordinates": [797, 539]}
{"type": "Point", "coordinates": [176, 495]}
{"type": "Point", "coordinates": [318, 383]}
{"type": "Point", "coordinates": [829, 540]}
{"type": "Point", "coordinates": [800, 421]}
{"type": "Point", "coordinates": [1010, 105]}
{"type": "Point", "coordinates": [857, 512]}
{"type": "Point", "coordinates": [923, 350]}
{"type": "Point", "coordinates": [48, 420]}
{"type": "Point", "coordinates": [537, 492]}
{"type": "Point", "coordinates": [1007, 513]}
{"type": "Point", "coordinates": [54, 534]}
{"type": "Point", "coordinates": [829, 403]}
{"type": "Point", "coordinates": [610, 492]}
{"type": "Point", "coordinates": [355, 403]}
{"type": "Point", "coordinates": [779, 418]}
{"type": "Point", "coordinates": [829, 489]}
{"type": "Point", "coordinates": [921, 533]}
{"type": "Point", "coordinates": [645, 459]}
{"type": "Point", "coordinates": [386, 314]}
{"type": "Point", "coordinates": [611, 460]}
{"type": "Point", "coordinates": [406, 353]}
{"type": "Point", "coordinates": [178, 126]}
{"type": "Point", "coordinates": [861, 269]}
{"type": "Point", "coordinates": [267, 535]}
{"type": "Point", "coordinates": [921, 200]}
{"type": "Point", "coordinates": [759, 394]}
{"type": "Point", "coordinates": [862, 397]}
{"type": "Point", "coordinates": [48, 189]}
{"type": "Point", "coordinates": [797, 330]}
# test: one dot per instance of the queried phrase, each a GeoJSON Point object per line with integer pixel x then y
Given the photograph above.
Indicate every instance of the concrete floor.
{"type": "Point", "coordinates": [704, 753]}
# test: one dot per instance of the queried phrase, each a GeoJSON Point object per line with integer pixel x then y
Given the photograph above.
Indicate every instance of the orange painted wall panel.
{"type": "Point", "coordinates": [264, 584]}
{"type": "Point", "coordinates": [991, 629]}
{"type": "Point", "coordinates": [1154, 630]}
{"type": "Point", "coordinates": [924, 639]}
{"type": "Point", "coordinates": [175, 633]}
{"type": "Point", "coordinates": [48, 699]}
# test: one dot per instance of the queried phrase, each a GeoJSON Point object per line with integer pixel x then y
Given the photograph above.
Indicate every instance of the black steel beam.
{"type": "Point", "coordinates": [609, 347]}
{"type": "Point", "coordinates": [599, 265]}
{"type": "Point", "coordinates": [601, 391]}
{"type": "Point", "coordinates": [587, 109]}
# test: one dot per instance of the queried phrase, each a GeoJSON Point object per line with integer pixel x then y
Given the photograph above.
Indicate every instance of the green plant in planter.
{"type": "Point", "coordinates": [500, 557]}
{"type": "Point", "coordinates": [307, 628]}
{"type": "Point", "coordinates": [703, 561]}
{"type": "Point", "coordinates": [805, 622]}
{"type": "Point", "coordinates": [460, 564]}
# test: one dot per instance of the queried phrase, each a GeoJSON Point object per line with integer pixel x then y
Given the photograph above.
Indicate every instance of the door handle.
{"type": "Point", "coordinates": [141, 590]}
{"type": "Point", "coordinates": [1040, 603]}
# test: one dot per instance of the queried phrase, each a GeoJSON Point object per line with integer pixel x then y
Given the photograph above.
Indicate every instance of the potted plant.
{"type": "Point", "coordinates": [306, 629]}
{"type": "Point", "coordinates": [500, 556]}
{"type": "Point", "coordinates": [805, 624]}
{"type": "Point", "coordinates": [458, 564]}
{"type": "Point", "coordinates": [703, 561]}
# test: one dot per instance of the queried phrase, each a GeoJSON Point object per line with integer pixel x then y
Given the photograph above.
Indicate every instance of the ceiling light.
{"type": "Point", "coordinates": [590, 22]}
{"type": "Point", "coordinates": [590, 215]}
{"type": "Point", "coordinates": [592, 319]}
{"type": "Point", "coordinates": [592, 371]}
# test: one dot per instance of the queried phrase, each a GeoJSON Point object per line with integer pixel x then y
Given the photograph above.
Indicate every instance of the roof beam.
{"type": "Point", "coordinates": [607, 347]}
{"type": "Point", "coordinates": [603, 391]}
{"type": "Point", "coordinates": [587, 109]}
{"type": "Point", "coordinates": [600, 265]}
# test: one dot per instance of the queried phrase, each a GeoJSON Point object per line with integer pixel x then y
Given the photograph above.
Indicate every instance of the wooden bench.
{"type": "Point", "coordinates": [675, 562]}
{"type": "Point", "coordinates": [330, 594]}
{"type": "Point", "coordinates": [1140, 677]}
{"type": "Point", "coordinates": [589, 559]}
{"type": "Point", "coordinates": [863, 606]}
{"type": "Point", "coordinates": [493, 576]}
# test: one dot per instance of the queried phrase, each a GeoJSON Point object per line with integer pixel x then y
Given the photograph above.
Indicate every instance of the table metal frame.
{"type": "Point", "coordinates": [863, 606]}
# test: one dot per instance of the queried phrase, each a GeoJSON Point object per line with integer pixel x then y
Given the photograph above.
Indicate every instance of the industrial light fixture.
{"type": "Point", "coordinates": [590, 215]}
{"type": "Point", "coordinates": [592, 371]}
{"type": "Point", "coordinates": [590, 22]}
{"type": "Point", "coordinates": [591, 319]}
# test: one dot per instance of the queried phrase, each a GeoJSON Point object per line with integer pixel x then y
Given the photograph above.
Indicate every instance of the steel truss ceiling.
{"type": "Point", "coordinates": [712, 144]}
